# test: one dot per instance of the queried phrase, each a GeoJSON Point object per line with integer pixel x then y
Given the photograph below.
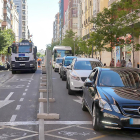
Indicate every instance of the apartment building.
{"type": "Point", "coordinates": [1, 12]}
{"type": "Point", "coordinates": [56, 31]}
{"type": "Point", "coordinates": [6, 24]}
{"type": "Point", "coordinates": [61, 18]}
{"type": "Point", "coordinates": [73, 15]}
{"type": "Point", "coordinates": [15, 21]}
{"type": "Point", "coordinates": [22, 9]}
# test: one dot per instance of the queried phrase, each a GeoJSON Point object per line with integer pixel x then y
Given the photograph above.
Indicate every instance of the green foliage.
{"type": "Point", "coordinates": [39, 55]}
{"type": "Point", "coordinates": [53, 44]}
{"type": "Point", "coordinates": [2, 40]}
{"type": "Point", "coordinates": [8, 38]}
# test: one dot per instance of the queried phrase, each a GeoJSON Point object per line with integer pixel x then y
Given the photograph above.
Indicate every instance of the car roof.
{"type": "Point", "coordinates": [87, 59]}
{"type": "Point", "coordinates": [70, 57]}
{"type": "Point", "coordinates": [118, 69]}
{"type": "Point", "coordinates": [59, 58]}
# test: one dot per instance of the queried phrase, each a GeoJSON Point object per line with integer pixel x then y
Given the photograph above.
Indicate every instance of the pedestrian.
{"type": "Point", "coordinates": [123, 63]}
{"type": "Point", "coordinates": [39, 63]}
{"type": "Point", "coordinates": [129, 64]}
{"type": "Point", "coordinates": [118, 64]}
{"type": "Point", "coordinates": [104, 64]}
{"type": "Point", "coordinates": [112, 63]}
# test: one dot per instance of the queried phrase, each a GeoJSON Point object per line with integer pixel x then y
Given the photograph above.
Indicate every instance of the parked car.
{"type": "Point", "coordinates": [63, 69]}
{"type": "Point", "coordinates": [57, 63]}
{"type": "Point", "coordinates": [78, 72]}
{"type": "Point", "coordinates": [112, 96]}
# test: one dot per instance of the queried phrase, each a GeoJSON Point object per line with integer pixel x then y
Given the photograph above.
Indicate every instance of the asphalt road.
{"type": "Point", "coordinates": [19, 105]}
{"type": "Point", "coordinates": [75, 124]}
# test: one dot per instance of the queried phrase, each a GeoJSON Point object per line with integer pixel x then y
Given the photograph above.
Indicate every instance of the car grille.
{"type": "Point", "coordinates": [83, 78]}
{"type": "Point", "coordinates": [22, 58]}
{"type": "Point", "coordinates": [131, 110]}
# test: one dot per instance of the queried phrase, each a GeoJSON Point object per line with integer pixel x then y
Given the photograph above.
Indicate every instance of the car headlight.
{"type": "Point", "coordinates": [103, 104]}
{"type": "Point", "coordinates": [116, 109]}
{"type": "Point", "coordinates": [74, 77]}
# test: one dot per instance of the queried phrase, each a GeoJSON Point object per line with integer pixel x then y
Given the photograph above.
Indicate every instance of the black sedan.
{"type": "Point", "coordinates": [112, 96]}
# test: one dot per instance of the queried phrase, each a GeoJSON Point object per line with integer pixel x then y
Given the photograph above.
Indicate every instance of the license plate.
{"type": "Point", "coordinates": [135, 121]}
{"type": "Point", "coordinates": [22, 64]}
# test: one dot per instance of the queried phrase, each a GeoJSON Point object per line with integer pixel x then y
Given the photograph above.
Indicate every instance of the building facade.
{"type": "Point", "coordinates": [6, 24]}
{"type": "Point", "coordinates": [22, 9]}
{"type": "Point", "coordinates": [1, 12]}
{"type": "Point", "coordinates": [15, 21]}
{"type": "Point", "coordinates": [61, 18]}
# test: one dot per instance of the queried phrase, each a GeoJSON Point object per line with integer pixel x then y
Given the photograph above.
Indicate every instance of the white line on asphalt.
{"type": "Point", "coordinates": [13, 118]}
{"type": "Point", "coordinates": [26, 89]}
{"type": "Point", "coordinates": [8, 97]}
{"type": "Point", "coordinates": [45, 122]}
{"type": "Point", "coordinates": [21, 99]}
{"type": "Point", "coordinates": [28, 83]}
{"type": "Point", "coordinates": [24, 94]}
{"type": "Point", "coordinates": [18, 107]}
{"type": "Point", "coordinates": [27, 86]}
{"type": "Point", "coordinates": [26, 137]}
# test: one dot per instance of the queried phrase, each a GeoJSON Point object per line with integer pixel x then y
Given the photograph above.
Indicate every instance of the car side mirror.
{"type": "Point", "coordinates": [88, 84]}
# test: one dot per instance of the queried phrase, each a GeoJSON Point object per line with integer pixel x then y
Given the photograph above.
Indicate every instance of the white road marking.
{"type": "Point", "coordinates": [26, 89]}
{"type": "Point", "coordinates": [45, 122]}
{"type": "Point", "coordinates": [22, 138]}
{"type": "Point", "coordinates": [24, 94]}
{"type": "Point", "coordinates": [27, 86]}
{"type": "Point", "coordinates": [28, 83]}
{"type": "Point", "coordinates": [21, 100]}
{"type": "Point", "coordinates": [13, 118]}
{"type": "Point", "coordinates": [6, 101]}
{"type": "Point", "coordinates": [78, 101]}
{"type": "Point", "coordinates": [18, 107]}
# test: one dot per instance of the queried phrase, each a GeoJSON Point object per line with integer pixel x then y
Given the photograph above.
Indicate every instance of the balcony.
{"type": "Point", "coordinates": [4, 23]}
{"type": "Point", "coordinates": [4, 11]}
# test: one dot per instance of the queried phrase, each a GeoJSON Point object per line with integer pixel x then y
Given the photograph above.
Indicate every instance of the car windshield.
{"type": "Point", "coordinates": [59, 60]}
{"type": "Point", "coordinates": [86, 65]}
{"type": "Point", "coordinates": [122, 78]}
{"type": "Point", "coordinates": [67, 62]}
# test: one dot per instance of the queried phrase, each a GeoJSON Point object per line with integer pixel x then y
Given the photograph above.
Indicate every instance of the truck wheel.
{"type": "Point", "coordinates": [33, 71]}
{"type": "Point", "coordinates": [13, 71]}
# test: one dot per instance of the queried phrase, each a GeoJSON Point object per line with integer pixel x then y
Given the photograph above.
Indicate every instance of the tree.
{"type": "Point", "coordinates": [39, 55]}
{"type": "Point", "coordinates": [2, 40]}
{"type": "Point", "coordinates": [9, 37]}
{"type": "Point", "coordinates": [57, 43]}
{"type": "Point", "coordinates": [71, 40]}
{"type": "Point", "coordinates": [96, 39]}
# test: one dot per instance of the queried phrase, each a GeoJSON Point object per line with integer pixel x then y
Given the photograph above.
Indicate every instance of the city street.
{"type": "Point", "coordinates": [19, 108]}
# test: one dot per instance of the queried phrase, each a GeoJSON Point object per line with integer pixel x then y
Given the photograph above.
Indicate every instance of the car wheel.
{"type": "Point", "coordinates": [66, 84]}
{"type": "Point", "coordinates": [84, 108]}
{"type": "Point", "coordinates": [95, 119]}
{"type": "Point", "coordinates": [60, 75]}
{"type": "Point", "coordinates": [70, 92]}
{"type": "Point", "coordinates": [13, 71]}
{"type": "Point", "coordinates": [63, 79]}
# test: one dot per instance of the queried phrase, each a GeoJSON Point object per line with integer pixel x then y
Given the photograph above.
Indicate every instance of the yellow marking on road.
{"type": "Point", "coordinates": [59, 129]}
{"type": "Point", "coordinates": [59, 137]}
{"type": "Point", "coordinates": [26, 137]}
{"type": "Point", "coordinates": [98, 137]}
{"type": "Point", "coordinates": [21, 129]}
{"type": "Point", "coordinates": [84, 127]}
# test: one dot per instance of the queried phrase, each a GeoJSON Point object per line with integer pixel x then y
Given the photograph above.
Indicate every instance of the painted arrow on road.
{"type": "Point", "coordinates": [6, 101]}
{"type": "Point", "coordinates": [78, 101]}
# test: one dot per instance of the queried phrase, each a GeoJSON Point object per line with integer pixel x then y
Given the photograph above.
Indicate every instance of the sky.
{"type": "Point", "coordinates": [41, 14]}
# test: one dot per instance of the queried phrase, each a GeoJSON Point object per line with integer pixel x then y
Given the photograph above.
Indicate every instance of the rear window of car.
{"type": "Point", "coordinates": [86, 65]}
{"type": "Point", "coordinates": [59, 60]}
{"type": "Point", "coordinates": [68, 61]}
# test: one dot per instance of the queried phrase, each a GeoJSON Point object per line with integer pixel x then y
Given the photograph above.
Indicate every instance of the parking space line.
{"type": "Point", "coordinates": [98, 137]}
{"type": "Point", "coordinates": [27, 86]}
{"type": "Point", "coordinates": [59, 137]}
{"type": "Point", "coordinates": [28, 83]}
{"type": "Point", "coordinates": [21, 100]}
{"type": "Point", "coordinates": [26, 137]}
{"type": "Point", "coordinates": [84, 127]}
{"type": "Point", "coordinates": [13, 118]}
{"type": "Point", "coordinates": [26, 89]}
{"type": "Point", "coordinates": [22, 129]}
{"type": "Point", "coordinates": [18, 107]}
{"type": "Point", "coordinates": [59, 129]}
{"type": "Point", "coordinates": [24, 94]}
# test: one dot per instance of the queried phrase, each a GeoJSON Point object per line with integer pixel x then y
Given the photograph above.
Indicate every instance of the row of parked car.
{"type": "Point", "coordinates": [111, 95]}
